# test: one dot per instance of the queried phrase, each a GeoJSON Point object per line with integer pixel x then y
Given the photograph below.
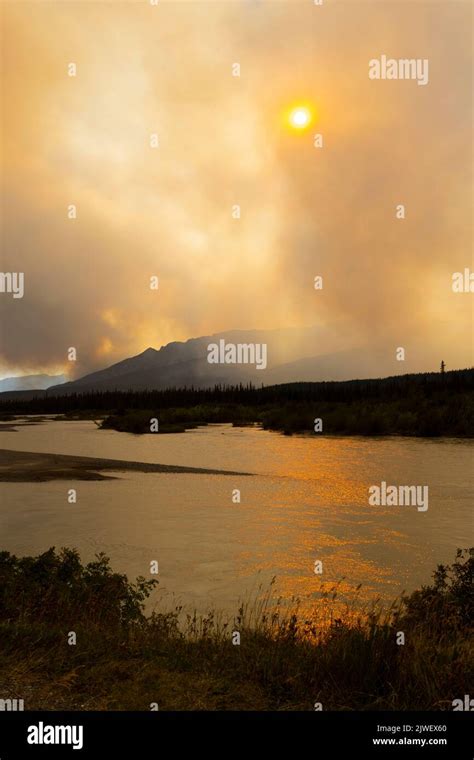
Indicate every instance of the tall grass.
{"type": "Point", "coordinates": [124, 659]}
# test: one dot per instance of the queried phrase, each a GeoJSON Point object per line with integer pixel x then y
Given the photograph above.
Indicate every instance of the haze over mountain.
{"type": "Point", "coordinates": [30, 382]}
{"type": "Point", "coordinates": [292, 355]}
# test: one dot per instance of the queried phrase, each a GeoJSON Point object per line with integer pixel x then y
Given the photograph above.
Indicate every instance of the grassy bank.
{"type": "Point", "coordinates": [125, 660]}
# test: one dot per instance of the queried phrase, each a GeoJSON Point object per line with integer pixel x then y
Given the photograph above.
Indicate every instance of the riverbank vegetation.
{"type": "Point", "coordinates": [426, 404]}
{"type": "Point", "coordinates": [125, 660]}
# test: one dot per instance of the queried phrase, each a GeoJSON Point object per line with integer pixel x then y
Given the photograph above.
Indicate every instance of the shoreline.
{"type": "Point", "coordinates": [34, 467]}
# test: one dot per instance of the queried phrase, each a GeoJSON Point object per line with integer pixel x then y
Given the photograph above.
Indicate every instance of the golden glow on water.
{"type": "Point", "coordinates": [306, 502]}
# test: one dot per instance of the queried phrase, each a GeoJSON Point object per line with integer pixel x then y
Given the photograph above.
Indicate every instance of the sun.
{"type": "Point", "coordinates": [300, 117]}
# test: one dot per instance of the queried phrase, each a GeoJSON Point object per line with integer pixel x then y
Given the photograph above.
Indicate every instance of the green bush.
{"type": "Point", "coordinates": [125, 660]}
{"type": "Point", "coordinates": [56, 586]}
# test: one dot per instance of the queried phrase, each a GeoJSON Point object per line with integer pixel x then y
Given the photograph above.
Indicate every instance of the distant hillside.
{"type": "Point", "coordinates": [306, 354]}
{"type": "Point", "coordinates": [310, 354]}
{"type": "Point", "coordinates": [30, 382]}
{"type": "Point", "coordinates": [180, 364]}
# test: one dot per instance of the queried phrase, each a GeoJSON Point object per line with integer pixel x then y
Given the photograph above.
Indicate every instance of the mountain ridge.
{"type": "Point", "coordinates": [308, 354]}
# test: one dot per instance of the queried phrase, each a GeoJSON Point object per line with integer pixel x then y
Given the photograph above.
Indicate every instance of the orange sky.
{"type": "Point", "coordinates": [167, 69]}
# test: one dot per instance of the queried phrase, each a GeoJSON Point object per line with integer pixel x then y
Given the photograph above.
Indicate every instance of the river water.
{"type": "Point", "coordinates": [306, 501]}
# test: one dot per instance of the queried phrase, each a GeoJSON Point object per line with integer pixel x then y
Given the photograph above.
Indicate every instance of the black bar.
{"type": "Point", "coordinates": [159, 734]}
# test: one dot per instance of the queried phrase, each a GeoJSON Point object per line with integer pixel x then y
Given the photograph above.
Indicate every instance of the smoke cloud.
{"type": "Point", "coordinates": [223, 142]}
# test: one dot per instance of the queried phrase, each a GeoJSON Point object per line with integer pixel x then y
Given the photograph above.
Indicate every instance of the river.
{"type": "Point", "coordinates": [306, 502]}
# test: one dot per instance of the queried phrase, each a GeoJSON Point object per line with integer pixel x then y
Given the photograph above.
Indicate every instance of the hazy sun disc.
{"type": "Point", "coordinates": [300, 117]}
